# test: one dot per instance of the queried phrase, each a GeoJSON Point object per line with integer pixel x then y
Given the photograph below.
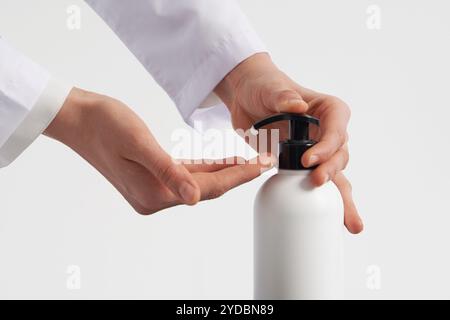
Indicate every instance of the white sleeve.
{"type": "Point", "coordinates": [188, 46]}
{"type": "Point", "coordinates": [29, 100]}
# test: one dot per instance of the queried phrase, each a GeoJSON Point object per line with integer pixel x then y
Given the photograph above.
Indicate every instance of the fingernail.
{"type": "Point", "coordinates": [268, 161]}
{"type": "Point", "coordinates": [264, 169]}
{"type": "Point", "coordinates": [294, 101]}
{"type": "Point", "coordinates": [313, 160]}
{"type": "Point", "coordinates": [187, 192]}
{"type": "Point", "coordinates": [361, 224]}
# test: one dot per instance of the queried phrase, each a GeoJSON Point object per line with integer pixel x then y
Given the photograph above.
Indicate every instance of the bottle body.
{"type": "Point", "coordinates": [298, 230]}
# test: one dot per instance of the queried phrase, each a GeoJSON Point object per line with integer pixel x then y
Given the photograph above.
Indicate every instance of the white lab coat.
{"type": "Point", "coordinates": [188, 46]}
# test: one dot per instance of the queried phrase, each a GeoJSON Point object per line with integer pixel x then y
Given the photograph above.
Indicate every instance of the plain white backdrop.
{"type": "Point", "coordinates": [59, 218]}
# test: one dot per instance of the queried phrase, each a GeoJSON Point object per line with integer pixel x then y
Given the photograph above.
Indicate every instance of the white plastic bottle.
{"type": "Point", "coordinates": [298, 228]}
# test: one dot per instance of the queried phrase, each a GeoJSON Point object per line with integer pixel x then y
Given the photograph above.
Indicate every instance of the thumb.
{"type": "Point", "coordinates": [285, 100]}
{"type": "Point", "coordinates": [180, 181]}
{"type": "Point", "coordinates": [173, 175]}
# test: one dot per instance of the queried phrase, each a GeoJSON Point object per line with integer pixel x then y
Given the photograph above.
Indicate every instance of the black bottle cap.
{"type": "Point", "coordinates": [292, 149]}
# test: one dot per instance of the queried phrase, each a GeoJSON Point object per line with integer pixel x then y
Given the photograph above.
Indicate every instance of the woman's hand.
{"type": "Point", "coordinates": [256, 88]}
{"type": "Point", "coordinates": [113, 139]}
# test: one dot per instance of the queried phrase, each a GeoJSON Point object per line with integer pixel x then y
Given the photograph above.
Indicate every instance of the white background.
{"type": "Point", "coordinates": [56, 211]}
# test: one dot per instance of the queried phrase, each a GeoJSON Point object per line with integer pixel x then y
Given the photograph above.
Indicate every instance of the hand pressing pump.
{"type": "Point", "coordinates": [298, 228]}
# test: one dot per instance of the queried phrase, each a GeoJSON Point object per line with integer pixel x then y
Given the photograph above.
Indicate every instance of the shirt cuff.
{"type": "Point", "coordinates": [198, 91]}
{"type": "Point", "coordinates": [36, 121]}
{"type": "Point", "coordinates": [215, 117]}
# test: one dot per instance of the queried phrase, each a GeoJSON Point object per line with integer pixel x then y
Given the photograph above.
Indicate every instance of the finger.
{"type": "Point", "coordinates": [215, 184]}
{"type": "Point", "coordinates": [352, 220]}
{"type": "Point", "coordinates": [283, 100]}
{"type": "Point", "coordinates": [211, 165]}
{"type": "Point", "coordinates": [327, 146]}
{"type": "Point", "coordinates": [173, 175]}
{"type": "Point", "coordinates": [328, 170]}
{"type": "Point", "coordinates": [334, 117]}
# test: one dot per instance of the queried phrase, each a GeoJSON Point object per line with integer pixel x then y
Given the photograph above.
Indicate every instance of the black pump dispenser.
{"type": "Point", "coordinates": [292, 149]}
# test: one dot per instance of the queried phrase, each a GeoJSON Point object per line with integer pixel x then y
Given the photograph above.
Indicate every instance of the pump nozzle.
{"type": "Point", "coordinates": [292, 149]}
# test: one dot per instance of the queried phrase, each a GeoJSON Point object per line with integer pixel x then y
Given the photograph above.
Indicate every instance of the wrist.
{"type": "Point", "coordinates": [66, 124]}
{"type": "Point", "coordinates": [250, 68]}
